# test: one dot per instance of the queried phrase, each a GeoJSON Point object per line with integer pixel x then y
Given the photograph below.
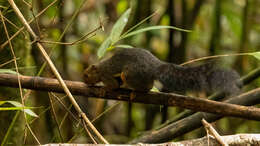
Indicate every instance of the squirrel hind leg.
{"type": "Point", "coordinates": [110, 82]}
{"type": "Point", "coordinates": [136, 81]}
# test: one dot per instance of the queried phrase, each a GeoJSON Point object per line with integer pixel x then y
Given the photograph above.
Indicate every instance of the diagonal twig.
{"type": "Point", "coordinates": [30, 21]}
{"type": "Point", "coordinates": [18, 77]}
{"type": "Point", "coordinates": [56, 73]}
{"type": "Point", "coordinates": [55, 117]}
{"type": "Point", "coordinates": [211, 130]}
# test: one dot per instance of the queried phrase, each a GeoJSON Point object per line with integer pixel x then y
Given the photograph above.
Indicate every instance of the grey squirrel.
{"type": "Point", "coordinates": [139, 69]}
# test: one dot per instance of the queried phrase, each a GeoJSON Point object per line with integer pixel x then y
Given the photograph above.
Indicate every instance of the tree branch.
{"type": "Point", "coordinates": [238, 139]}
{"type": "Point", "coordinates": [193, 122]}
{"type": "Point", "coordinates": [169, 99]}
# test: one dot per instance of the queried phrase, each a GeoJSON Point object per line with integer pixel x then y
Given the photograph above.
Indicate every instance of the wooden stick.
{"type": "Point", "coordinates": [209, 128]}
{"type": "Point", "coordinates": [159, 98]}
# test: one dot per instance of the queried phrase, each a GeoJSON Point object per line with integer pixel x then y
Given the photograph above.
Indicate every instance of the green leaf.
{"type": "Point", "coordinates": [256, 55]}
{"type": "Point", "coordinates": [153, 28]}
{"type": "Point", "coordinates": [124, 46]}
{"type": "Point", "coordinates": [103, 48]}
{"type": "Point", "coordinates": [14, 103]}
{"type": "Point", "coordinates": [119, 26]}
{"type": "Point", "coordinates": [10, 108]}
{"type": "Point", "coordinates": [141, 22]}
{"type": "Point", "coordinates": [30, 112]}
{"type": "Point", "coordinates": [9, 71]}
{"type": "Point", "coordinates": [2, 102]}
{"type": "Point", "coordinates": [154, 89]}
{"type": "Point", "coordinates": [18, 106]}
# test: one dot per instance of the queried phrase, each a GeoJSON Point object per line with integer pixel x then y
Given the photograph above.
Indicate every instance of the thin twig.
{"type": "Point", "coordinates": [30, 21]}
{"type": "Point", "coordinates": [55, 117]}
{"type": "Point", "coordinates": [69, 43]}
{"type": "Point", "coordinates": [18, 77]}
{"type": "Point", "coordinates": [215, 56]}
{"type": "Point", "coordinates": [65, 116]}
{"type": "Point", "coordinates": [67, 109]}
{"type": "Point", "coordinates": [1, 65]}
{"type": "Point", "coordinates": [37, 23]}
{"type": "Point", "coordinates": [83, 38]}
{"type": "Point", "coordinates": [210, 129]}
{"type": "Point", "coordinates": [10, 22]}
{"type": "Point", "coordinates": [89, 134]}
{"type": "Point", "coordinates": [95, 119]}
{"type": "Point", "coordinates": [56, 73]}
{"type": "Point", "coordinates": [44, 111]}
{"type": "Point", "coordinates": [11, 126]}
{"type": "Point", "coordinates": [28, 4]}
{"type": "Point", "coordinates": [106, 110]}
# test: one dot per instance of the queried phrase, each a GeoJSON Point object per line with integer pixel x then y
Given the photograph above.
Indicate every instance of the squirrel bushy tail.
{"type": "Point", "coordinates": [206, 77]}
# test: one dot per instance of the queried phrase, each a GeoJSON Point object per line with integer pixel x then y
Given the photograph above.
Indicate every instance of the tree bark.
{"type": "Point", "coordinates": [194, 121]}
{"type": "Point", "coordinates": [232, 140]}
{"type": "Point", "coordinates": [169, 99]}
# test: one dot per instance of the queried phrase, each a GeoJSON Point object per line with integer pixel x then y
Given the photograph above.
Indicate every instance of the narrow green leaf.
{"type": "Point", "coordinates": [119, 26]}
{"type": "Point", "coordinates": [26, 110]}
{"type": "Point", "coordinates": [30, 112]}
{"type": "Point", "coordinates": [10, 108]}
{"type": "Point", "coordinates": [19, 107]}
{"type": "Point", "coordinates": [256, 55]}
{"type": "Point", "coordinates": [9, 71]}
{"type": "Point", "coordinates": [7, 134]}
{"type": "Point", "coordinates": [154, 89]}
{"type": "Point", "coordinates": [15, 103]}
{"type": "Point", "coordinates": [123, 46]}
{"type": "Point", "coordinates": [110, 48]}
{"type": "Point", "coordinates": [2, 102]}
{"type": "Point", "coordinates": [103, 48]}
{"type": "Point", "coordinates": [141, 22]}
{"type": "Point", "coordinates": [153, 28]}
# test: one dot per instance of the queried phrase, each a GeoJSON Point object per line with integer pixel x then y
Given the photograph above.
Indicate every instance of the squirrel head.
{"type": "Point", "coordinates": [91, 75]}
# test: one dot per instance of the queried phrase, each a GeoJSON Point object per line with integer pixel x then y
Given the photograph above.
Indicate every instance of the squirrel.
{"type": "Point", "coordinates": [139, 70]}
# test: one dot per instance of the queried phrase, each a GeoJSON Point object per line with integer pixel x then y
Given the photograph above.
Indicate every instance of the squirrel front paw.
{"type": "Point", "coordinates": [102, 92]}
{"type": "Point", "coordinates": [132, 95]}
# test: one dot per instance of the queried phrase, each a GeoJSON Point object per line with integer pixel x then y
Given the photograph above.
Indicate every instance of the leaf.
{"type": "Point", "coordinates": [110, 48]}
{"type": "Point", "coordinates": [18, 106]}
{"type": "Point", "coordinates": [9, 71]}
{"type": "Point", "coordinates": [14, 103]}
{"type": "Point", "coordinates": [256, 55]}
{"type": "Point", "coordinates": [154, 89]}
{"type": "Point", "coordinates": [2, 102]}
{"type": "Point", "coordinates": [153, 28]}
{"type": "Point", "coordinates": [124, 46]}
{"type": "Point", "coordinates": [10, 108]}
{"type": "Point", "coordinates": [119, 26]}
{"type": "Point", "coordinates": [30, 112]}
{"type": "Point", "coordinates": [141, 22]}
{"type": "Point", "coordinates": [103, 48]}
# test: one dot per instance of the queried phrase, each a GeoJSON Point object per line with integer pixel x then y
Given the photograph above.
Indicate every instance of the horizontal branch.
{"type": "Point", "coordinates": [193, 122]}
{"type": "Point", "coordinates": [169, 99]}
{"type": "Point", "coordinates": [238, 139]}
